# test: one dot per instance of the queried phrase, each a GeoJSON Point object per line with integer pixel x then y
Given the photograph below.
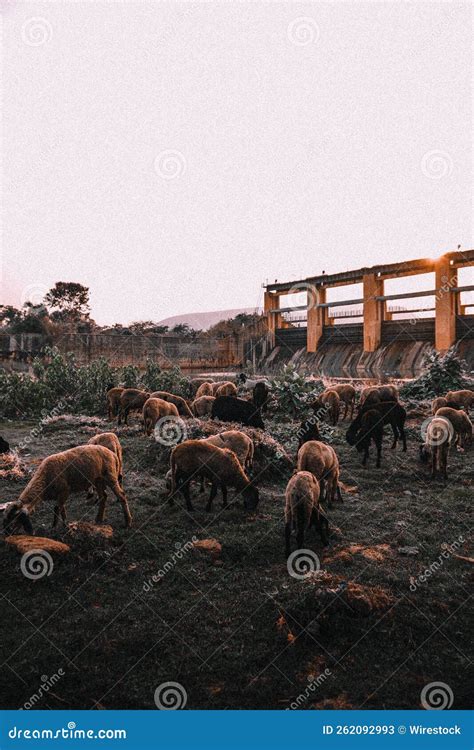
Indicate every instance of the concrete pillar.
{"type": "Point", "coordinates": [373, 312]}
{"type": "Point", "coordinates": [446, 304]}
{"type": "Point", "coordinates": [316, 317]}
{"type": "Point", "coordinates": [272, 302]}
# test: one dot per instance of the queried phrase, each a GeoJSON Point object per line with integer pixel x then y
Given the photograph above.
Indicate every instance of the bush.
{"type": "Point", "coordinates": [293, 392]}
{"type": "Point", "coordinates": [59, 385]}
{"type": "Point", "coordinates": [443, 373]}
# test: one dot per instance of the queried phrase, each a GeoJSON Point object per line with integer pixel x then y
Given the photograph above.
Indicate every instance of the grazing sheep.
{"type": "Point", "coordinates": [373, 394]}
{"type": "Point", "coordinates": [321, 460]}
{"type": "Point", "coordinates": [57, 476]}
{"type": "Point", "coordinates": [4, 446]}
{"type": "Point", "coordinates": [180, 403]}
{"type": "Point", "coordinates": [225, 389]}
{"type": "Point", "coordinates": [205, 389]}
{"type": "Point", "coordinates": [260, 393]}
{"type": "Point", "coordinates": [230, 409]}
{"type": "Point", "coordinates": [235, 441]}
{"type": "Point", "coordinates": [155, 409]}
{"type": "Point", "coordinates": [461, 423]}
{"type": "Point", "coordinates": [220, 465]}
{"type": "Point", "coordinates": [438, 403]}
{"type": "Point", "coordinates": [131, 399]}
{"type": "Point", "coordinates": [437, 445]}
{"type": "Point", "coordinates": [110, 440]}
{"type": "Point", "coordinates": [302, 509]}
{"type": "Point", "coordinates": [463, 399]}
{"type": "Point", "coordinates": [331, 401]}
{"type": "Point", "coordinates": [370, 429]}
{"type": "Point", "coordinates": [113, 401]}
{"type": "Point", "coordinates": [308, 430]}
{"type": "Point", "coordinates": [202, 406]}
{"type": "Point", "coordinates": [391, 412]}
{"type": "Point", "coordinates": [347, 395]}
{"type": "Point", "coordinates": [194, 383]}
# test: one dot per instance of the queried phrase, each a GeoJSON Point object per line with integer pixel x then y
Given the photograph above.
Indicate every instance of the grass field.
{"type": "Point", "coordinates": [238, 631]}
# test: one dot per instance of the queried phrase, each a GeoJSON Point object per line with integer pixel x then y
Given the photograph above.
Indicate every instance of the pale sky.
{"type": "Point", "coordinates": [174, 156]}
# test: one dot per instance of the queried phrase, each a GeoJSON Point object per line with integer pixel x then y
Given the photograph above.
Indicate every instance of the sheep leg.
{"type": "Point", "coordinates": [224, 495]}
{"type": "Point", "coordinates": [184, 489]}
{"type": "Point", "coordinates": [395, 436]}
{"type": "Point", "coordinates": [338, 492]}
{"type": "Point", "coordinates": [403, 437]}
{"type": "Point", "coordinates": [100, 488]}
{"type": "Point", "coordinates": [212, 495]}
{"type": "Point", "coordinates": [288, 539]}
{"type": "Point", "coordinates": [366, 455]}
{"type": "Point", "coordinates": [122, 498]}
{"type": "Point", "coordinates": [55, 516]}
{"type": "Point", "coordinates": [379, 453]}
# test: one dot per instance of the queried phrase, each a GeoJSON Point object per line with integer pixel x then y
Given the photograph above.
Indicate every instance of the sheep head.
{"type": "Point", "coordinates": [17, 518]}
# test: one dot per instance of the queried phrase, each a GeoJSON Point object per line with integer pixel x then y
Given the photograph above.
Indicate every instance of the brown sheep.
{"type": "Point", "coordinates": [220, 465]}
{"type": "Point", "coordinates": [302, 509]}
{"type": "Point", "coordinates": [57, 476]}
{"type": "Point", "coordinates": [110, 440]}
{"type": "Point", "coordinates": [347, 395]}
{"type": "Point", "coordinates": [131, 399]}
{"type": "Point", "coordinates": [463, 399]}
{"type": "Point", "coordinates": [321, 460]}
{"type": "Point", "coordinates": [373, 394]}
{"type": "Point", "coordinates": [113, 401]}
{"type": "Point", "coordinates": [180, 403]}
{"type": "Point", "coordinates": [332, 403]}
{"type": "Point", "coordinates": [225, 389]}
{"type": "Point", "coordinates": [202, 406]}
{"type": "Point", "coordinates": [235, 441]}
{"type": "Point", "coordinates": [461, 423]}
{"type": "Point", "coordinates": [155, 409]}
{"type": "Point", "coordinates": [437, 444]}
{"type": "Point", "coordinates": [205, 389]}
{"type": "Point", "coordinates": [438, 403]}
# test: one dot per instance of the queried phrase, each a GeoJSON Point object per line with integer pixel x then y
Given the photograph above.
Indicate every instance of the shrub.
{"type": "Point", "coordinates": [292, 391]}
{"type": "Point", "coordinates": [443, 373]}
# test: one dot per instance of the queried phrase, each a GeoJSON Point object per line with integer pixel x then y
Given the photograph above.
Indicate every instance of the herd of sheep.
{"type": "Point", "coordinates": [226, 459]}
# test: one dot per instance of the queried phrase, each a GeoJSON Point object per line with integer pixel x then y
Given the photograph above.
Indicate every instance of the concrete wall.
{"type": "Point", "coordinates": [401, 359]}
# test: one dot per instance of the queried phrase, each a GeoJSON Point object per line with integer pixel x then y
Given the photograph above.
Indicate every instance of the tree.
{"type": "Point", "coordinates": [68, 300]}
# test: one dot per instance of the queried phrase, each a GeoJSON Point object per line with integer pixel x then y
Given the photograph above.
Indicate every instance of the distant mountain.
{"type": "Point", "coordinates": [203, 321]}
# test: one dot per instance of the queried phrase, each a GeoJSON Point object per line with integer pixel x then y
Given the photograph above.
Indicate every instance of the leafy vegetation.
{"type": "Point", "coordinates": [293, 392]}
{"type": "Point", "coordinates": [443, 373]}
{"type": "Point", "coordinates": [58, 385]}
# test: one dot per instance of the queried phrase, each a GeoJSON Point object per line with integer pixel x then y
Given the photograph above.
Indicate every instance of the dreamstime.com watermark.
{"type": "Point", "coordinates": [448, 550]}
{"type": "Point", "coordinates": [176, 557]}
{"type": "Point", "coordinates": [313, 685]}
{"type": "Point", "coordinates": [37, 432]}
{"type": "Point", "coordinates": [46, 684]}
{"type": "Point", "coordinates": [67, 733]}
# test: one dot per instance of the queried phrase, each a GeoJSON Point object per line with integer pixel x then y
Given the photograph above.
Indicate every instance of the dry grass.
{"type": "Point", "coordinates": [235, 629]}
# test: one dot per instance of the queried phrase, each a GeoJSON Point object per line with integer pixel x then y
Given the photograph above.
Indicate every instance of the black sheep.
{"type": "Point", "coordinates": [370, 428]}
{"type": "Point", "coordinates": [260, 395]}
{"type": "Point", "coordinates": [231, 409]}
{"type": "Point", "coordinates": [4, 446]}
{"type": "Point", "coordinates": [390, 412]}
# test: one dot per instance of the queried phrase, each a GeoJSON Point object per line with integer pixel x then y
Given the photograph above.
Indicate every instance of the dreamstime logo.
{"type": "Point", "coordinates": [313, 685]}
{"type": "Point", "coordinates": [170, 164]}
{"type": "Point", "coordinates": [302, 562]}
{"type": "Point", "coordinates": [33, 294]}
{"type": "Point", "coordinates": [170, 696]}
{"type": "Point", "coordinates": [436, 696]}
{"type": "Point", "coordinates": [309, 290]}
{"type": "Point", "coordinates": [36, 31]}
{"type": "Point", "coordinates": [302, 31]}
{"type": "Point", "coordinates": [438, 433]}
{"type": "Point", "coordinates": [46, 684]}
{"type": "Point", "coordinates": [180, 551]}
{"type": "Point", "coordinates": [36, 564]}
{"type": "Point", "coordinates": [170, 431]}
{"type": "Point", "coordinates": [447, 551]}
{"type": "Point", "coordinates": [436, 165]}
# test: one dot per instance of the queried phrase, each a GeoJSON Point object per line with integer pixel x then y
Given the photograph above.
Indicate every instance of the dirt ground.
{"type": "Point", "coordinates": [118, 617]}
